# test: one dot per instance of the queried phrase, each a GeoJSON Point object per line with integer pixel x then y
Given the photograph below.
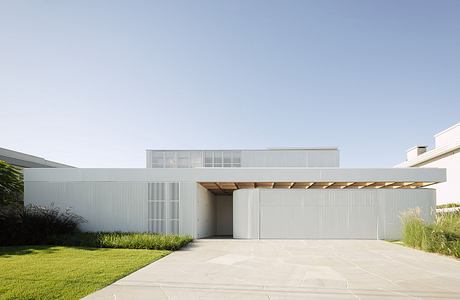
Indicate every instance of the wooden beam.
{"type": "Point", "coordinates": [347, 185]}
{"type": "Point", "coordinates": [328, 185]}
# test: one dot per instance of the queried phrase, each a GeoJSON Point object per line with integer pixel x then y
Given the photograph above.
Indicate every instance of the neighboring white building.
{"type": "Point", "coordinates": [275, 193]}
{"type": "Point", "coordinates": [23, 160]}
{"type": "Point", "coordinates": [446, 154]}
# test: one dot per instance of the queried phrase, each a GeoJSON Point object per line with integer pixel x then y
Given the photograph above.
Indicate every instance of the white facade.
{"type": "Point", "coordinates": [446, 154]}
{"type": "Point", "coordinates": [276, 197]}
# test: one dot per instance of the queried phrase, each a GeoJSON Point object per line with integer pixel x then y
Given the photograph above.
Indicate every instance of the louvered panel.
{"type": "Point", "coordinates": [163, 207]}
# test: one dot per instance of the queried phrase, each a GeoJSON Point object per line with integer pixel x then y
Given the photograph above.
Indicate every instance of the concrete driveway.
{"type": "Point", "coordinates": [292, 269]}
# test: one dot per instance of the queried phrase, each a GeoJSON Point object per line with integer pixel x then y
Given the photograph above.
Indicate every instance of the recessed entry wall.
{"type": "Point", "coordinates": [326, 214]}
{"type": "Point", "coordinates": [214, 214]}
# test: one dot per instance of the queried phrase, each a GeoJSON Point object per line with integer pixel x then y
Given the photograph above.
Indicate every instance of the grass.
{"type": "Point", "coordinates": [55, 272]}
{"type": "Point", "coordinates": [123, 240]}
{"type": "Point", "coordinates": [443, 236]}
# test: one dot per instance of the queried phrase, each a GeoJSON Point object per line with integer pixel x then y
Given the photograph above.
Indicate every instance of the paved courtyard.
{"type": "Point", "coordinates": [292, 269]}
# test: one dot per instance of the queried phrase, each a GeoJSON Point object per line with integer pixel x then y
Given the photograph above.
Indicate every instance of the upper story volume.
{"type": "Point", "coordinates": [257, 158]}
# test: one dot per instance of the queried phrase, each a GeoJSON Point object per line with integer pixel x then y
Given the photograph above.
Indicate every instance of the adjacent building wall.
{"type": "Point", "coordinates": [449, 191]}
{"type": "Point", "coordinates": [446, 154]}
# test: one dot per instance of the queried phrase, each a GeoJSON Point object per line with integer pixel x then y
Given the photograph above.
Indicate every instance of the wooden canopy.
{"type": "Point", "coordinates": [226, 188]}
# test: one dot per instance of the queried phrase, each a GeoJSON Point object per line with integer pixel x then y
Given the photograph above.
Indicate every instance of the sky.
{"type": "Point", "coordinates": [95, 83]}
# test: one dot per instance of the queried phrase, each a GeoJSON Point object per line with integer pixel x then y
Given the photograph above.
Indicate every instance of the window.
{"type": "Point", "coordinates": [158, 159]}
{"type": "Point", "coordinates": [196, 159]}
{"type": "Point", "coordinates": [236, 159]}
{"type": "Point", "coordinates": [208, 159]}
{"type": "Point", "coordinates": [183, 159]}
{"type": "Point", "coordinates": [218, 159]}
{"type": "Point", "coordinates": [227, 159]}
{"type": "Point", "coordinates": [170, 159]}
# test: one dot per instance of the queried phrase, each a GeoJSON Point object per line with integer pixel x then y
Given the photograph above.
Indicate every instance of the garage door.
{"type": "Point", "coordinates": [318, 216]}
{"type": "Point", "coordinates": [326, 214]}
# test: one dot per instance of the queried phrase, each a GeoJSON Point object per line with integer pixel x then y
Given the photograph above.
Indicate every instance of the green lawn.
{"type": "Point", "coordinates": [52, 272]}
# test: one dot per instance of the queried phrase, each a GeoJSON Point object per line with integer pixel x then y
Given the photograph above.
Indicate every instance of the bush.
{"type": "Point", "coordinates": [123, 240]}
{"type": "Point", "coordinates": [11, 184]}
{"type": "Point", "coordinates": [443, 236]}
{"type": "Point", "coordinates": [39, 225]}
{"type": "Point", "coordinates": [35, 224]}
{"type": "Point", "coordinates": [448, 205]}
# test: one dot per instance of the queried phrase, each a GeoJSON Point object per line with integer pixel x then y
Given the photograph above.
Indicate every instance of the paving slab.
{"type": "Point", "coordinates": [291, 269]}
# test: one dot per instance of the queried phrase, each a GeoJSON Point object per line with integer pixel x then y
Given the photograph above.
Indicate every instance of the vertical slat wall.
{"type": "Point", "coordinates": [327, 214]}
{"type": "Point", "coordinates": [163, 207]}
{"type": "Point", "coordinates": [107, 206]}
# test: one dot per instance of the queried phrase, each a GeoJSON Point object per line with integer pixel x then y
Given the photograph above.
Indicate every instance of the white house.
{"type": "Point", "coordinates": [446, 154]}
{"type": "Point", "coordinates": [251, 194]}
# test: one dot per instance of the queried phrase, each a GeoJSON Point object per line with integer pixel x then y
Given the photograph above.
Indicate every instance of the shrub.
{"type": "Point", "coordinates": [443, 236]}
{"type": "Point", "coordinates": [143, 241]}
{"type": "Point", "coordinates": [123, 240]}
{"type": "Point", "coordinates": [34, 224]}
{"type": "Point", "coordinates": [11, 184]}
{"type": "Point", "coordinates": [448, 205]}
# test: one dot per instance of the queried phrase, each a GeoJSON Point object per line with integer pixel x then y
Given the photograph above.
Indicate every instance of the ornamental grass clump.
{"type": "Point", "coordinates": [143, 241]}
{"type": "Point", "coordinates": [443, 236]}
{"type": "Point", "coordinates": [125, 240]}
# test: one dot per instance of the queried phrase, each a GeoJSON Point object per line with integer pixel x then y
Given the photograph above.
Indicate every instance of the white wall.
{"type": "Point", "coordinates": [362, 214]}
{"type": "Point", "coordinates": [449, 191]}
{"type": "Point", "coordinates": [205, 212]}
{"type": "Point", "coordinates": [448, 137]}
{"type": "Point", "coordinates": [246, 214]}
{"type": "Point", "coordinates": [107, 206]}
{"type": "Point", "coordinates": [224, 215]}
{"type": "Point", "coordinates": [290, 158]}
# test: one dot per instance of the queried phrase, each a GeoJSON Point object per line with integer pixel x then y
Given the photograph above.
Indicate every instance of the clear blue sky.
{"type": "Point", "coordinates": [95, 83]}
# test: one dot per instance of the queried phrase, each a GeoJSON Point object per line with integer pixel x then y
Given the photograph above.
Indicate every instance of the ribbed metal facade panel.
{"type": "Point", "coordinates": [326, 214]}
{"type": "Point", "coordinates": [107, 206]}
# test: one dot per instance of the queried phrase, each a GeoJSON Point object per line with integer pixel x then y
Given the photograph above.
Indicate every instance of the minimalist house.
{"type": "Point", "coordinates": [446, 154]}
{"type": "Point", "coordinates": [278, 193]}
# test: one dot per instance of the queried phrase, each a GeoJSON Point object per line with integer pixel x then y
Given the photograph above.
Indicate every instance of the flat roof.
{"type": "Point", "coordinates": [241, 175]}
{"type": "Point", "coordinates": [446, 130]}
{"type": "Point", "coordinates": [429, 155]}
{"type": "Point", "coordinates": [28, 161]}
